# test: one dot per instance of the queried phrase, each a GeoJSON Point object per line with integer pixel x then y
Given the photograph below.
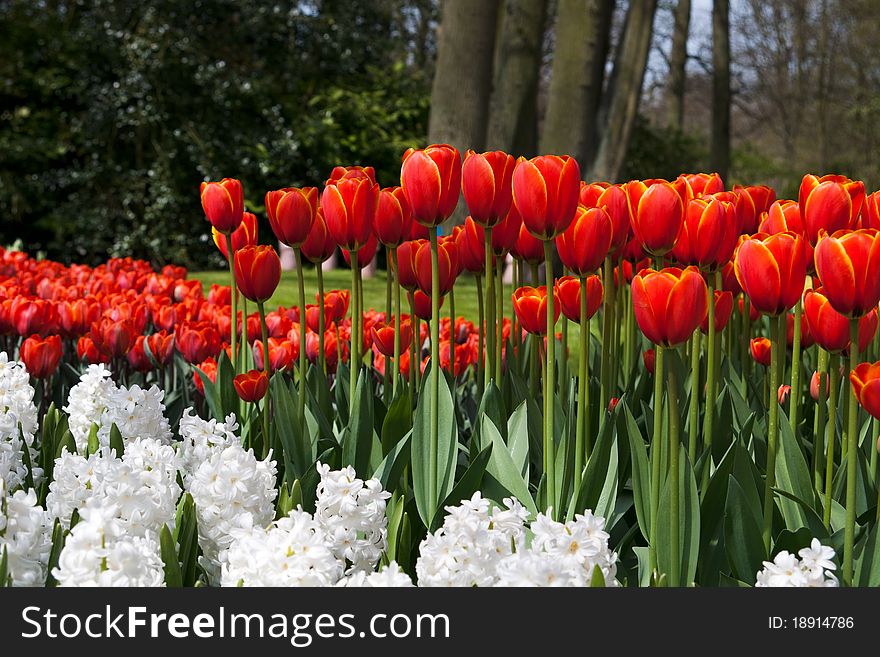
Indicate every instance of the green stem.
{"type": "Point", "coordinates": [397, 322]}
{"type": "Point", "coordinates": [630, 339]}
{"type": "Point", "coordinates": [711, 370]}
{"type": "Point", "coordinates": [416, 325]}
{"type": "Point", "coordinates": [744, 360]}
{"type": "Point", "coordinates": [481, 357]}
{"type": "Point", "coordinates": [354, 358]}
{"type": "Point", "coordinates": [499, 322]}
{"type": "Point", "coordinates": [852, 463]}
{"type": "Point", "coordinates": [607, 331]}
{"type": "Point", "coordinates": [388, 285]}
{"type": "Point", "coordinates": [535, 349]}
{"type": "Point", "coordinates": [321, 320]}
{"type": "Point", "coordinates": [694, 409]}
{"type": "Point", "coordinates": [581, 449]}
{"type": "Point", "coordinates": [303, 363]}
{"type": "Point", "coordinates": [490, 326]}
{"type": "Point", "coordinates": [778, 335]}
{"type": "Point", "coordinates": [240, 363]}
{"type": "Point", "coordinates": [563, 364]}
{"type": "Point", "coordinates": [549, 429]}
{"type": "Point", "coordinates": [452, 334]}
{"type": "Point", "coordinates": [435, 366]}
{"type": "Point", "coordinates": [674, 479]}
{"type": "Point", "coordinates": [233, 340]}
{"type": "Point", "coordinates": [819, 428]}
{"type": "Point", "coordinates": [265, 416]}
{"type": "Point", "coordinates": [514, 324]}
{"type": "Point", "coordinates": [831, 440]}
{"type": "Point", "coordinates": [656, 451]}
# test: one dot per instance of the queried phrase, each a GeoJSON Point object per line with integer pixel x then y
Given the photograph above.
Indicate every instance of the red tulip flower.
{"type": "Point", "coordinates": [829, 203]}
{"type": "Point", "coordinates": [530, 306]}
{"type": "Point", "coordinates": [41, 356]}
{"type": "Point", "coordinates": [251, 386]}
{"type": "Point", "coordinates": [751, 203]}
{"type": "Point", "coordinates": [338, 300]}
{"type": "Point", "coordinates": [87, 351]}
{"type": "Point", "coordinates": [365, 254]}
{"type": "Point", "coordinates": [657, 215]}
{"type": "Point", "coordinates": [829, 328]}
{"type": "Point", "coordinates": [351, 173]}
{"type": "Point", "coordinates": [723, 311]}
{"type": "Point", "coordinates": [319, 245]}
{"type": "Point", "coordinates": [223, 203]}
{"type": "Point", "coordinates": [545, 191]}
{"type": "Point", "coordinates": [527, 247]}
{"type": "Point", "coordinates": [568, 290]}
{"type": "Point", "coordinates": [393, 219]}
{"type": "Point", "coordinates": [506, 232]}
{"type": "Point", "coordinates": [584, 245]}
{"type": "Point", "coordinates": [703, 184]}
{"type": "Point", "coordinates": [422, 304]}
{"type": "Point", "coordinates": [137, 357]}
{"type": "Point", "coordinates": [865, 381]}
{"type": "Point", "coordinates": [197, 343]}
{"type": "Point", "coordinates": [282, 353]}
{"type": "Point", "coordinates": [709, 234]}
{"type": "Point", "coordinates": [114, 337]}
{"type": "Point", "coordinates": [760, 350]}
{"type": "Point", "coordinates": [244, 235]}
{"type": "Point", "coordinates": [257, 272]}
{"type": "Point", "coordinates": [406, 264]}
{"type": "Point", "coordinates": [848, 263]}
{"type": "Point", "coordinates": [486, 185]}
{"type": "Point", "coordinates": [807, 337]}
{"type": "Point", "coordinates": [471, 247]}
{"type": "Point", "coordinates": [349, 208]}
{"type": "Point", "coordinates": [431, 182]}
{"type": "Point", "coordinates": [161, 346]}
{"type": "Point", "coordinates": [669, 304]}
{"type": "Point", "coordinates": [649, 358]}
{"type": "Point", "coordinates": [383, 337]}
{"type": "Point", "coordinates": [291, 213]}
{"type": "Point", "coordinates": [447, 253]}
{"type": "Point", "coordinates": [871, 211]}
{"type": "Point", "coordinates": [76, 317]}
{"type": "Point", "coordinates": [772, 270]}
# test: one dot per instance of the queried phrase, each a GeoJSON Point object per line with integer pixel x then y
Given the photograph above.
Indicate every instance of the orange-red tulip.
{"type": "Point", "coordinates": [669, 304]}
{"type": "Point", "coordinates": [829, 203]}
{"type": "Point", "coordinates": [545, 192]}
{"type": "Point", "coordinates": [865, 381]}
{"type": "Point", "coordinates": [291, 213]}
{"type": "Point", "coordinates": [751, 203]}
{"type": "Point", "coordinates": [223, 203]}
{"type": "Point", "coordinates": [772, 269]}
{"type": "Point", "coordinates": [41, 356]}
{"type": "Point", "coordinates": [471, 246]}
{"type": "Point", "coordinates": [422, 304]}
{"type": "Point", "coordinates": [568, 290]}
{"type": "Point", "coordinates": [760, 350]}
{"type": "Point", "coordinates": [161, 346]}
{"type": "Point", "coordinates": [829, 328]}
{"type": "Point", "coordinates": [709, 234]}
{"type": "Point", "coordinates": [365, 254]}
{"type": "Point", "coordinates": [383, 337]}
{"type": "Point", "coordinates": [447, 257]}
{"type": "Point", "coordinates": [848, 263]}
{"type": "Point", "coordinates": [319, 245]}
{"type": "Point", "coordinates": [530, 306]}
{"type": "Point", "coordinates": [723, 310]}
{"type": "Point", "coordinates": [251, 386]}
{"type": "Point", "coordinates": [393, 219]}
{"type": "Point", "coordinates": [486, 185]}
{"type": "Point", "coordinates": [527, 247]}
{"type": "Point", "coordinates": [406, 264]}
{"type": "Point", "coordinates": [349, 206]}
{"type": "Point", "coordinates": [657, 215]}
{"type": "Point", "coordinates": [244, 235]}
{"type": "Point", "coordinates": [584, 245]}
{"type": "Point", "coordinates": [431, 182]}
{"type": "Point", "coordinates": [257, 272]}
{"type": "Point", "coordinates": [703, 183]}
{"type": "Point", "coordinates": [649, 358]}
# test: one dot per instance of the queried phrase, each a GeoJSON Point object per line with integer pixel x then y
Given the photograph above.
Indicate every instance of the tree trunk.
{"type": "Point", "coordinates": [621, 102]}
{"type": "Point", "coordinates": [573, 85]}
{"type": "Point", "coordinates": [463, 74]}
{"type": "Point", "coordinates": [720, 153]}
{"type": "Point", "coordinates": [597, 73]}
{"type": "Point", "coordinates": [513, 109]}
{"type": "Point", "coordinates": [677, 64]}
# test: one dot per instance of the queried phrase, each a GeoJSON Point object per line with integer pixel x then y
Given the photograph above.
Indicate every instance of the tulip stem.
{"type": "Point", "coordinates": [398, 322]}
{"type": "Point", "coordinates": [711, 357]}
{"type": "Point", "coordinates": [354, 348]}
{"type": "Point", "coordinates": [819, 433]}
{"type": "Point", "coordinates": [674, 479]}
{"type": "Point", "coordinates": [302, 333]}
{"type": "Point", "coordinates": [499, 318]}
{"type": "Point", "coordinates": [744, 360]}
{"type": "Point", "coordinates": [435, 365]}
{"type": "Point", "coordinates": [833, 391]}
{"type": "Point", "coordinates": [452, 334]}
{"type": "Point", "coordinates": [321, 320]}
{"type": "Point", "coordinates": [656, 450]}
{"type": "Point", "coordinates": [514, 323]}
{"type": "Point", "coordinates": [414, 355]}
{"type": "Point", "coordinates": [481, 358]}
{"type": "Point", "coordinates": [491, 326]}
{"type": "Point", "coordinates": [777, 335]}
{"type": "Point", "coordinates": [695, 397]}
{"type": "Point", "coordinates": [549, 429]}
{"type": "Point", "coordinates": [582, 440]}
{"type": "Point", "coordinates": [618, 326]}
{"type": "Point", "coordinates": [852, 462]}
{"type": "Point", "coordinates": [388, 285]}
{"type": "Point", "coordinates": [234, 302]}
{"type": "Point", "coordinates": [534, 350]}
{"type": "Point", "coordinates": [794, 418]}
{"type": "Point", "coordinates": [629, 339]}
{"type": "Point", "coordinates": [265, 333]}
{"type": "Point", "coordinates": [607, 330]}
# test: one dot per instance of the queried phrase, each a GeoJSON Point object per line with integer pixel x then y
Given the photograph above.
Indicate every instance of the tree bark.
{"type": "Point", "coordinates": [463, 74]}
{"type": "Point", "coordinates": [621, 101]}
{"type": "Point", "coordinates": [720, 152]}
{"type": "Point", "coordinates": [513, 108]}
{"type": "Point", "coordinates": [677, 63]}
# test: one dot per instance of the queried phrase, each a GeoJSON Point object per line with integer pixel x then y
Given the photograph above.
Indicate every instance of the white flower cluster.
{"type": "Point", "coordinates": [481, 545]}
{"type": "Point", "coordinates": [391, 576]}
{"type": "Point", "coordinates": [141, 486]}
{"type": "Point", "coordinates": [16, 407]}
{"type": "Point", "coordinates": [352, 513]}
{"type": "Point", "coordinates": [200, 439]}
{"type": "Point", "coordinates": [99, 551]}
{"type": "Point", "coordinates": [96, 399]}
{"type": "Point", "coordinates": [26, 536]}
{"type": "Point", "coordinates": [813, 569]}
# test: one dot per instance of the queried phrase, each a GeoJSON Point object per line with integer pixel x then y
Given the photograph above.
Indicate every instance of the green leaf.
{"type": "Point", "coordinates": [92, 446]}
{"type": "Point", "coordinates": [293, 433]}
{"type": "Point", "coordinates": [447, 442]}
{"type": "Point", "coordinates": [811, 519]}
{"type": "Point", "coordinates": [597, 581]}
{"type": "Point", "coordinates": [398, 421]}
{"type": "Point", "coordinates": [116, 440]}
{"type": "Point", "coordinates": [26, 460]}
{"type": "Point", "coordinates": [503, 478]}
{"type": "Point", "coordinates": [793, 476]}
{"type": "Point", "coordinates": [742, 534]}
{"type": "Point", "coordinates": [58, 537]}
{"type": "Point", "coordinates": [390, 469]}
{"type": "Point", "coordinates": [689, 523]}
{"type": "Point", "coordinates": [598, 469]}
{"type": "Point", "coordinates": [67, 442]}
{"type": "Point", "coordinates": [5, 577]}
{"type": "Point", "coordinates": [186, 535]}
{"type": "Point", "coordinates": [167, 548]}
{"type": "Point", "coordinates": [468, 484]}
{"type": "Point", "coordinates": [359, 438]}
{"type": "Point", "coordinates": [518, 439]}
{"type": "Point", "coordinates": [867, 567]}
{"type": "Point", "coordinates": [641, 472]}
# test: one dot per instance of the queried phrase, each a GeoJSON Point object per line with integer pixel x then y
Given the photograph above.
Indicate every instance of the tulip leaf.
{"type": "Point", "coordinates": [168, 551]}
{"type": "Point", "coordinates": [742, 534]}
{"type": "Point", "coordinates": [793, 476]}
{"type": "Point", "coordinates": [468, 484]}
{"type": "Point", "coordinates": [867, 566]}
{"type": "Point", "coordinates": [398, 421]}
{"type": "Point", "coordinates": [186, 536]}
{"type": "Point", "coordinates": [358, 441]}
{"type": "Point", "coordinates": [5, 577]}
{"type": "Point", "coordinates": [58, 538]}
{"type": "Point", "coordinates": [390, 469]}
{"type": "Point", "coordinates": [502, 478]}
{"type": "Point", "coordinates": [518, 439]}
{"type": "Point", "coordinates": [641, 472]}
{"type": "Point", "coordinates": [447, 447]}
{"type": "Point", "coordinates": [92, 445]}
{"type": "Point", "coordinates": [296, 446]}
{"type": "Point", "coordinates": [689, 523]}
{"type": "Point", "coordinates": [598, 471]}
{"type": "Point", "coordinates": [116, 442]}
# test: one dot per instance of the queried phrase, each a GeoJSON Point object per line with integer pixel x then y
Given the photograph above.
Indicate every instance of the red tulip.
{"type": "Point", "coordinates": [161, 346]}
{"type": "Point", "coordinates": [527, 247]}
{"type": "Point", "coordinates": [282, 353]}
{"type": "Point", "coordinates": [349, 206]}
{"type": "Point", "coordinates": [815, 386]}
{"type": "Point", "coordinates": [728, 279]}
{"type": "Point", "coordinates": [783, 217]}
{"type": "Point", "coordinates": [760, 350]}
{"type": "Point", "coordinates": [568, 289]}
{"type": "Point", "coordinates": [649, 358]}
{"type": "Point", "coordinates": [76, 317]}
{"type": "Point", "coordinates": [545, 191]}
{"type": "Point", "coordinates": [257, 272]}
{"type": "Point", "coordinates": [723, 310]}
{"type": "Point", "coordinates": [87, 351]}
{"type": "Point", "coordinates": [506, 232]}
{"type": "Point", "coordinates": [614, 201]}
{"type": "Point", "coordinates": [584, 245]}
{"type": "Point", "coordinates": [486, 185]}
{"type": "Point", "coordinates": [471, 244]}
{"type": "Point", "coordinates": [709, 234]}
{"type": "Point", "coordinates": [807, 338]}
{"type": "Point", "coordinates": [431, 182]}
{"type": "Point", "coordinates": [772, 270]}
{"type": "Point", "coordinates": [530, 306]}
{"type": "Point", "coordinates": [112, 337]}
{"type": "Point", "coordinates": [703, 184]}
{"type": "Point", "coordinates": [197, 343]}
{"type": "Point", "coordinates": [406, 264]}
{"type": "Point", "coordinates": [223, 203]}
{"type": "Point", "coordinates": [41, 356]}
{"type": "Point", "coordinates": [829, 203]}
{"type": "Point", "coordinates": [383, 337]}
{"type": "Point", "coordinates": [338, 300]}
{"type": "Point", "coordinates": [244, 235]}
{"type": "Point", "coordinates": [669, 304]}
{"type": "Point", "coordinates": [447, 253]}
{"type": "Point", "coordinates": [783, 393]}
{"type": "Point", "coordinates": [752, 202]}
{"type": "Point", "coordinates": [208, 367]}
{"type": "Point", "coordinates": [393, 219]}
{"type": "Point", "coordinates": [251, 386]}
{"type": "Point", "coordinates": [865, 381]}
{"type": "Point", "coordinates": [365, 254]}
{"type": "Point", "coordinates": [291, 213]}
{"type": "Point", "coordinates": [422, 304]}
{"type": "Point", "coordinates": [848, 263]}
{"type": "Point", "coordinates": [33, 316]}
{"type": "Point", "coordinates": [657, 215]}
{"type": "Point", "coordinates": [220, 295]}
{"type": "Point", "coordinates": [352, 172]}
{"type": "Point", "coordinates": [319, 245]}
{"type": "Point", "coordinates": [589, 193]}
{"type": "Point", "coordinates": [871, 211]}
{"type": "Point", "coordinates": [137, 357]}
{"type": "Point", "coordinates": [829, 328]}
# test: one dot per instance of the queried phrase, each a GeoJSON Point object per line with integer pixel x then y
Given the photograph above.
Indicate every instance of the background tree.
{"type": "Point", "coordinates": [721, 88]}
{"type": "Point", "coordinates": [677, 65]}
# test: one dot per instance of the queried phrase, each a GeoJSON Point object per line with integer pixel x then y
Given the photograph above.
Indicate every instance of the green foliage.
{"type": "Point", "coordinates": [657, 151]}
{"type": "Point", "coordinates": [113, 112]}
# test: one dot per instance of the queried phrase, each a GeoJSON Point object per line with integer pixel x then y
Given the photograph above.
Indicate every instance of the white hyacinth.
{"type": "Point", "coordinates": [293, 551]}
{"type": "Point", "coordinates": [391, 576]}
{"type": "Point", "coordinates": [813, 569]}
{"type": "Point", "coordinates": [16, 407]}
{"type": "Point", "coordinates": [26, 535]}
{"type": "Point", "coordinates": [99, 552]}
{"type": "Point", "coordinates": [233, 493]}
{"type": "Point", "coordinates": [352, 512]}
{"type": "Point", "coordinates": [200, 439]}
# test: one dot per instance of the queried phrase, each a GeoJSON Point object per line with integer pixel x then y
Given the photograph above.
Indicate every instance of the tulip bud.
{"type": "Point", "coordinates": [291, 213]}
{"type": "Point", "coordinates": [257, 272]}
{"type": "Point", "coordinates": [251, 386]}
{"type": "Point", "coordinates": [223, 203]}
{"type": "Point", "coordinates": [760, 350]}
{"type": "Point", "coordinates": [649, 357]}
{"type": "Point", "coordinates": [783, 393]}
